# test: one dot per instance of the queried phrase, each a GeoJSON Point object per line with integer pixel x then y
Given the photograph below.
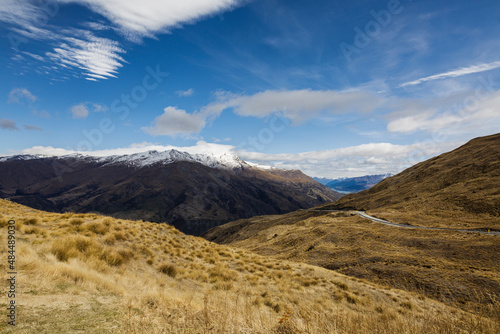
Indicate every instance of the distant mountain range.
{"type": "Point", "coordinates": [349, 185]}
{"type": "Point", "coordinates": [193, 192]}
{"type": "Point", "coordinates": [323, 180]}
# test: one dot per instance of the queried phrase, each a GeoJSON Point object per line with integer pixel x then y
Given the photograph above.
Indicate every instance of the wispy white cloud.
{"type": "Point", "coordinates": [481, 116]}
{"type": "Point", "coordinates": [366, 159]}
{"type": "Point", "coordinates": [297, 105]}
{"type": "Point", "coordinates": [137, 19]}
{"type": "Point", "coordinates": [82, 110]}
{"type": "Point", "coordinates": [76, 49]}
{"type": "Point", "coordinates": [175, 122]}
{"type": "Point", "coordinates": [17, 95]}
{"type": "Point", "coordinates": [34, 56]}
{"type": "Point", "coordinates": [455, 73]}
{"type": "Point", "coordinates": [99, 107]}
{"type": "Point", "coordinates": [21, 13]}
{"type": "Point", "coordinates": [98, 58]}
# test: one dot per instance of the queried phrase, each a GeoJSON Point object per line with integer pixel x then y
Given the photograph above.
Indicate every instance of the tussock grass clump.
{"type": "Point", "coordinates": [32, 230]}
{"type": "Point", "coordinates": [168, 269]}
{"type": "Point", "coordinates": [224, 274]}
{"type": "Point", "coordinates": [110, 239]}
{"type": "Point", "coordinates": [113, 258]}
{"type": "Point", "coordinates": [285, 325]}
{"type": "Point", "coordinates": [127, 254]}
{"type": "Point", "coordinates": [225, 286]}
{"type": "Point", "coordinates": [3, 223]}
{"type": "Point", "coordinates": [351, 299]}
{"type": "Point", "coordinates": [30, 221]}
{"type": "Point", "coordinates": [97, 227]}
{"type": "Point", "coordinates": [341, 285]}
{"type": "Point", "coordinates": [64, 250]}
{"type": "Point", "coordinates": [146, 251]}
{"type": "Point", "coordinates": [119, 236]}
{"type": "Point", "coordinates": [76, 222]}
{"type": "Point", "coordinates": [274, 306]}
{"type": "Point", "coordinates": [407, 305]}
{"type": "Point", "coordinates": [86, 249]}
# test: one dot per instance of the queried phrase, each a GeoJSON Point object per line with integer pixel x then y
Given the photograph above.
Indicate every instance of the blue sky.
{"type": "Point", "coordinates": [333, 88]}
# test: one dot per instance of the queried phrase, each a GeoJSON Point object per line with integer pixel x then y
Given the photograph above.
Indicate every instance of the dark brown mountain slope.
{"type": "Point", "coordinates": [189, 195]}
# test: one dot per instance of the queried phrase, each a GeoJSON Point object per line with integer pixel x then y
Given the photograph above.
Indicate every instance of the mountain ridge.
{"type": "Point", "coordinates": [190, 192]}
{"type": "Point", "coordinates": [145, 158]}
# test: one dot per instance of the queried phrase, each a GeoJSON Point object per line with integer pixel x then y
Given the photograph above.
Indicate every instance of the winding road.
{"type": "Point", "coordinates": [385, 222]}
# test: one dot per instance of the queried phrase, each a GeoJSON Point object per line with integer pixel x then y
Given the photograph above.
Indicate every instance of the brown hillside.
{"type": "Point", "coordinates": [460, 188]}
{"type": "Point", "coordinates": [460, 269]}
{"type": "Point", "coordinates": [85, 273]}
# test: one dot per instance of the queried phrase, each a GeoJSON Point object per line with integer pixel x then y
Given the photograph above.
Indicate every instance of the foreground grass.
{"type": "Point", "coordinates": [87, 273]}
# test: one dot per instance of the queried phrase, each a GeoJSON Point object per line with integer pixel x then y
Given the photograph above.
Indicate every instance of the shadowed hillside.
{"type": "Point", "coordinates": [184, 193]}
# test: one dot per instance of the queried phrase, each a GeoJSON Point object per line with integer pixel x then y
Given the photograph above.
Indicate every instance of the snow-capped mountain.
{"type": "Point", "coordinates": [192, 191]}
{"type": "Point", "coordinates": [210, 159]}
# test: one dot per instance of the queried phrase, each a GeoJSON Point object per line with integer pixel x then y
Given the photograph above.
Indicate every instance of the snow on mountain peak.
{"type": "Point", "coordinates": [210, 159]}
{"type": "Point", "coordinates": [222, 160]}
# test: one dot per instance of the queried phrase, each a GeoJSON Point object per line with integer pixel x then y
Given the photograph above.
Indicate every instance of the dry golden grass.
{"type": "Point", "coordinates": [459, 269]}
{"type": "Point", "coordinates": [74, 277]}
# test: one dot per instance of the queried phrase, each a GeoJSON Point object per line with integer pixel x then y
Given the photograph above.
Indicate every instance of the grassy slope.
{"type": "Point", "coordinates": [88, 273]}
{"type": "Point", "coordinates": [460, 269]}
{"type": "Point", "coordinates": [459, 189]}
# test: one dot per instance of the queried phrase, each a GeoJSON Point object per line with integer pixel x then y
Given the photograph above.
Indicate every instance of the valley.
{"type": "Point", "coordinates": [437, 259]}
{"type": "Point", "coordinates": [85, 272]}
{"type": "Point", "coordinates": [250, 167]}
{"type": "Point", "coordinates": [314, 270]}
{"type": "Point", "coordinates": [349, 185]}
{"type": "Point", "coordinates": [461, 269]}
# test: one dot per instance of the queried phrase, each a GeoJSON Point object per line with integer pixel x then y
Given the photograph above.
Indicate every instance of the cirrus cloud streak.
{"type": "Point", "coordinates": [455, 73]}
